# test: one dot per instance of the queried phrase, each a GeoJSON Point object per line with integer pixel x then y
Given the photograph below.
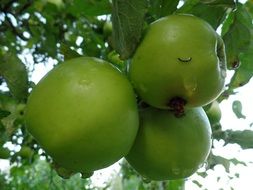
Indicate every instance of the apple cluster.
{"type": "Point", "coordinates": [85, 115]}
{"type": "Point", "coordinates": [179, 66]}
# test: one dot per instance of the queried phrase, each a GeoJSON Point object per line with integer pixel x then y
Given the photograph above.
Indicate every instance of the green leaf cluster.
{"type": "Point", "coordinates": [39, 175]}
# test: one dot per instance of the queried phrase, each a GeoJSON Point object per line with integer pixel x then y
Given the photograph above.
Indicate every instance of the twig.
{"type": "Point", "coordinates": [13, 28]}
{"type": "Point", "coordinates": [25, 6]}
{"type": "Point", "coordinates": [8, 5]}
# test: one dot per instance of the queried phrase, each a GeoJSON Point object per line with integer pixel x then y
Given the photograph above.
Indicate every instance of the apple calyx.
{"type": "Point", "coordinates": [177, 106]}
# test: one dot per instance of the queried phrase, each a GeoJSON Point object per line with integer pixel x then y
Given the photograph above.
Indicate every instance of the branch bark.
{"type": "Point", "coordinates": [14, 29]}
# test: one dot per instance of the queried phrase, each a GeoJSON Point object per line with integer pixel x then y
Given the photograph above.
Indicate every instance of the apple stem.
{"type": "Point", "coordinates": [177, 104]}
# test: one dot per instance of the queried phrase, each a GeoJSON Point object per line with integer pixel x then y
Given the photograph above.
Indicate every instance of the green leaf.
{"type": "Point", "coordinates": [168, 7]}
{"type": "Point", "coordinates": [249, 6]}
{"type": "Point", "coordinates": [7, 102]}
{"type": "Point", "coordinates": [214, 160]}
{"type": "Point", "coordinates": [235, 162]}
{"type": "Point", "coordinates": [237, 109]}
{"type": "Point", "coordinates": [127, 20]}
{"type": "Point", "coordinates": [197, 183]}
{"type": "Point", "coordinates": [214, 12]}
{"type": "Point", "coordinates": [49, 44]}
{"type": "Point", "coordinates": [214, 15]}
{"type": "Point", "coordinates": [243, 138]}
{"type": "Point", "coordinates": [222, 161]}
{"type": "Point", "coordinates": [38, 175]}
{"type": "Point", "coordinates": [58, 3]}
{"type": "Point", "coordinates": [12, 116]}
{"type": "Point", "coordinates": [225, 3]}
{"type": "Point", "coordinates": [187, 6]}
{"type": "Point", "coordinates": [4, 113]}
{"type": "Point", "coordinates": [68, 52]}
{"type": "Point", "coordinates": [176, 184]}
{"type": "Point", "coordinates": [15, 74]}
{"type": "Point", "coordinates": [132, 183]}
{"type": "Point", "coordinates": [162, 8]}
{"type": "Point", "coordinates": [245, 71]}
{"type": "Point", "coordinates": [89, 7]}
{"type": "Point", "coordinates": [239, 35]}
{"type": "Point", "coordinates": [4, 153]}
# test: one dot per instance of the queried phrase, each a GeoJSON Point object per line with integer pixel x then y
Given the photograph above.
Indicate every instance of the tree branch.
{"type": "Point", "coordinates": [14, 29]}
{"type": "Point", "coordinates": [7, 6]}
{"type": "Point", "coordinates": [25, 6]}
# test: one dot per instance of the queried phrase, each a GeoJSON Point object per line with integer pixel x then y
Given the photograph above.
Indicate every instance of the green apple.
{"type": "Point", "coordinates": [213, 112]}
{"type": "Point", "coordinates": [181, 57]}
{"type": "Point", "coordinates": [84, 115]}
{"type": "Point", "coordinates": [169, 147]}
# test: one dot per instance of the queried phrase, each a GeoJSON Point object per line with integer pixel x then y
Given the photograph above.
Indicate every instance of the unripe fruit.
{"type": "Point", "coordinates": [84, 114]}
{"type": "Point", "coordinates": [180, 57]}
{"type": "Point", "coordinates": [213, 112]}
{"type": "Point", "coordinates": [169, 147]}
